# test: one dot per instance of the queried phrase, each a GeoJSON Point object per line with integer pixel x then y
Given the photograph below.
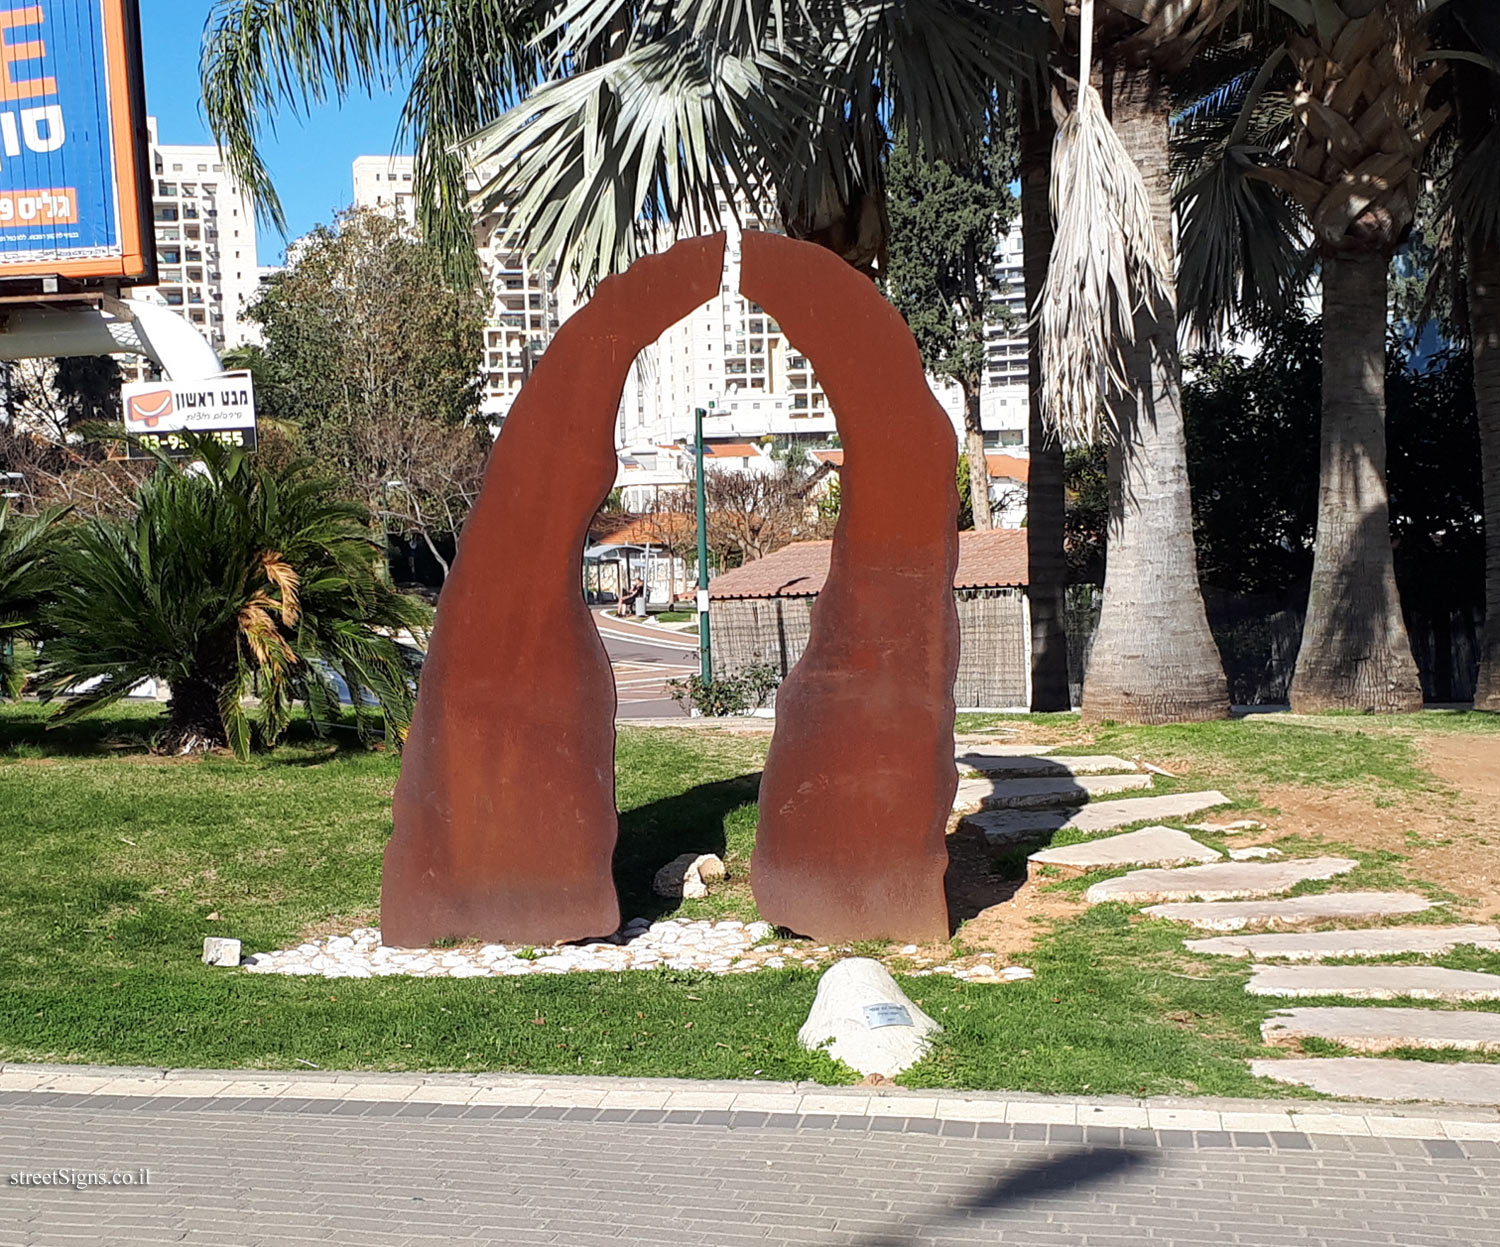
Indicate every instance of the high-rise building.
{"type": "Point", "coordinates": [523, 300]}
{"type": "Point", "coordinates": [385, 183]}
{"type": "Point", "coordinates": [207, 262]}
{"type": "Point", "coordinates": [1003, 400]}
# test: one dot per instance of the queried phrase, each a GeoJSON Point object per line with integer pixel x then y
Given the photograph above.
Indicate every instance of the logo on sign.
{"type": "Point", "coordinates": [145, 411]}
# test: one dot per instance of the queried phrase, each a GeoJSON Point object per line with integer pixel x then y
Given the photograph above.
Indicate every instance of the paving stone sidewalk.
{"type": "Point", "coordinates": [399, 1175]}
{"type": "Point", "coordinates": [505, 1159]}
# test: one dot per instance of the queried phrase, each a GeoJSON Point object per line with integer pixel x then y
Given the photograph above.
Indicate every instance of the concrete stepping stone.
{"type": "Point", "coordinates": [1010, 826]}
{"type": "Point", "coordinates": [1012, 766]}
{"type": "Point", "coordinates": [989, 749]}
{"type": "Point", "coordinates": [1018, 794]}
{"type": "Point", "coordinates": [1380, 1030]}
{"type": "Point", "coordinates": [1299, 911]}
{"type": "Point", "coordinates": [1325, 945]}
{"type": "Point", "coordinates": [1221, 881]}
{"type": "Point", "coordinates": [1384, 1078]}
{"type": "Point", "coordinates": [1151, 846]}
{"type": "Point", "coordinates": [1255, 853]}
{"type": "Point", "coordinates": [1374, 982]}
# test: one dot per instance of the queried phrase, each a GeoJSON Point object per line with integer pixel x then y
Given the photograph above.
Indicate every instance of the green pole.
{"type": "Point", "coordinates": [705, 648]}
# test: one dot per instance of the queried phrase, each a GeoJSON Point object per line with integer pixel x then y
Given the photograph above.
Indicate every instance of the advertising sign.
{"type": "Point", "coordinates": [157, 411]}
{"type": "Point", "coordinates": [74, 186]}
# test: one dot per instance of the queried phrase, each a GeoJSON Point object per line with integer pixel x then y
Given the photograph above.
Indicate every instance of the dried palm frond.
{"type": "Point", "coordinates": [262, 634]}
{"type": "Point", "coordinates": [1106, 266]}
{"type": "Point", "coordinates": [281, 574]}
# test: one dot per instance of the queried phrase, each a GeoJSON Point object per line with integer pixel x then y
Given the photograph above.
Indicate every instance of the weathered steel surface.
{"type": "Point", "coordinates": [860, 780]}
{"type": "Point", "coordinates": [505, 813]}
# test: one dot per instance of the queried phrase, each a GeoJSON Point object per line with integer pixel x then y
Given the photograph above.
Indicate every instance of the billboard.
{"type": "Point", "coordinates": [155, 411]}
{"type": "Point", "coordinates": [74, 177]}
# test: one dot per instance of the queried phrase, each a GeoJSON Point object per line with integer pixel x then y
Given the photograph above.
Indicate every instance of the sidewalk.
{"type": "Point", "coordinates": [255, 1158]}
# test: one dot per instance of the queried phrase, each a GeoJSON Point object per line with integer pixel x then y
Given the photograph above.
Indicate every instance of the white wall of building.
{"type": "Point", "coordinates": [208, 266]}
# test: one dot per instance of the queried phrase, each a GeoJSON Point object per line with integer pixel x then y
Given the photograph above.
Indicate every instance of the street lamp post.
{"type": "Point", "coordinates": [705, 647]}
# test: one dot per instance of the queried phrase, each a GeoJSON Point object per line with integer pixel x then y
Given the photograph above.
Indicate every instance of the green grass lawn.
{"type": "Point", "coordinates": [119, 862]}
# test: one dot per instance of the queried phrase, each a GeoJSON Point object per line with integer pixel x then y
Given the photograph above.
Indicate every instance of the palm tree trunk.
{"type": "Point", "coordinates": [1046, 498]}
{"type": "Point", "coordinates": [194, 723]}
{"type": "Point", "coordinates": [1484, 325]}
{"type": "Point", "coordinates": [1154, 659]}
{"type": "Point", "coordinates": [1355, 652]}
{"type": "Point", "coordinates": [979, 468]}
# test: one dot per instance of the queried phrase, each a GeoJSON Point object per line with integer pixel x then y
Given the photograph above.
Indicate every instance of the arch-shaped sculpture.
{"type": "Point", "coordinates": [505, 815]}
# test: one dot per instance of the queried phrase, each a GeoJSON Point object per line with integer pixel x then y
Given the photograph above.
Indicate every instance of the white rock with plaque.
{"type": "Point", "coordinates": [865, 1020]}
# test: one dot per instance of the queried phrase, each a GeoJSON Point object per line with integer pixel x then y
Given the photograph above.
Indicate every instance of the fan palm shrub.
{"type": "Point", "coordinates": [25, 544]}
{"type": "Point", "coordinates": [231, 577]}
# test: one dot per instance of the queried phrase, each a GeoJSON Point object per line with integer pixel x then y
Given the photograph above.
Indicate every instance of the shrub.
{"type": "Point", "coordinates": [230, 575]}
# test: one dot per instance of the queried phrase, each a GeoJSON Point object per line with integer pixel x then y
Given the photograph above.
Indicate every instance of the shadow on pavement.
{"type": "Point", "coordinates": [1024, 1182]}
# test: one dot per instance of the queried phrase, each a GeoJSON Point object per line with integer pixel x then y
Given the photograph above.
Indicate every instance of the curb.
{"type": "Point", "coordinates": [1167, 1121]}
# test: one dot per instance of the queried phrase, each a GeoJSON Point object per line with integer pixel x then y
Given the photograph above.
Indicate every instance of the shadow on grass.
{"type": "Point", "coordinates": [1058, 1176]}
{"type": "Point", "coordinates": [651, 835]}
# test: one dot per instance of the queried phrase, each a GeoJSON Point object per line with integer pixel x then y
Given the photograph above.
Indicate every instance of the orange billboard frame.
{"type": "Point", "coordinates": [135, 261]}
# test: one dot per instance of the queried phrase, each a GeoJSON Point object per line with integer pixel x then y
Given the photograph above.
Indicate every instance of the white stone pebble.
{"type": "Point", "coordinates": [722, 947]}
{"type": "Point", "coordinates": [726, 946]}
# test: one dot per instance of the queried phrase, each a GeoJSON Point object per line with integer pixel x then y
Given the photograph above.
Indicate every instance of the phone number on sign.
{"type": "Point", "coordinates": [143, 444]}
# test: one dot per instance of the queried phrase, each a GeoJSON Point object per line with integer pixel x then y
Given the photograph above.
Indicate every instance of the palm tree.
{"type": "Point", "coordinates": [1345, 142]}
{"type": "Point", "coordinates": [1110, 360]}
{"type": "Point", "coordinates": [653, 115]}
{"type": "Point", "coordinates": [25, 544]}
{"type": "Point", "coordinates": [1362, 129]}
{"type": "Point", "coordinates": [230, 576]}
{"type": "Point", "coordinates": [1046, 494]}
{"type": "Point", "coordinates": [1475, 198]}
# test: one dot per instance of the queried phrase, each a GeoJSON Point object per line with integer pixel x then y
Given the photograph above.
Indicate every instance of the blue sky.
{"type": "Point", "coordinates": [309, 158]}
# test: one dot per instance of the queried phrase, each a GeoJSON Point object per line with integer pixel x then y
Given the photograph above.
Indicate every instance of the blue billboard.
{"type": "Point", "coordinates": [71, 198]}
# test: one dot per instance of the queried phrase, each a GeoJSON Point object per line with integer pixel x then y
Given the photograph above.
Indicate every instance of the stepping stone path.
{"type": "Point", "coordinates": [1299, 911]}
{"type": "Point", "coordinates": [963, 752]}
{"type": "Point", "coordinates": [1047, 795]}
{"type": "Point", "coordinates": [1382, 1078]}
{"type": "Point", "coordinates": [1041, 793]}
{"type": "Point", "coordinates": [1220, 881]}
{"type": "Point", "coordinates": [1013, 766]}
{"type": "Point", "coordinates": [1151, 846]}
{"type": "Point", "coordinates": [1383, 982]}
{"type": "Point", "coordinates": [1379, 1030]}
{"type": "Point", "coordinates": [1009, 826]}
{"type": "Point", "coordinates": [1325, 945]}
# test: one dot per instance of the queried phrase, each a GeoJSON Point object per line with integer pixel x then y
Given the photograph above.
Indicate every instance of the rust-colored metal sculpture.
{"type": "Point", "coordinates": [859, 784]}
{"type": "Point", "coordinates": [505, 815]}
{"type": "Point", "coordinates": [505, 812]}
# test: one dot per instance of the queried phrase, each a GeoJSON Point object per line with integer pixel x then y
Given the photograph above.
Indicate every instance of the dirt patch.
{"type": "Point", "coordinates": [1451, 838]}
{"type": "Point", "coordinates": [1000, 914]}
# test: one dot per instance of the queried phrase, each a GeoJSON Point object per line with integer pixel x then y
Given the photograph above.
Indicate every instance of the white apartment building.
{"type": "Point", "coordinates": [728, 356]}
{"type": "Point", "coordinates": [1004, 397]}
{"type": "Point", "coordinates": [524, 301]}
{"type": "Point", "coordinates": [207, 263]}
{"type": "Point", "coordinates": [731, 358]}
{"type": "Point", "coordinates": [385, 183]}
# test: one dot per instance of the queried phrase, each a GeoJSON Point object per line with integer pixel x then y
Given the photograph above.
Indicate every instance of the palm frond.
{"type": "Point", "coordinates": [1106, 266]}
{"type": "Point", "coordinates": [259, 55]}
